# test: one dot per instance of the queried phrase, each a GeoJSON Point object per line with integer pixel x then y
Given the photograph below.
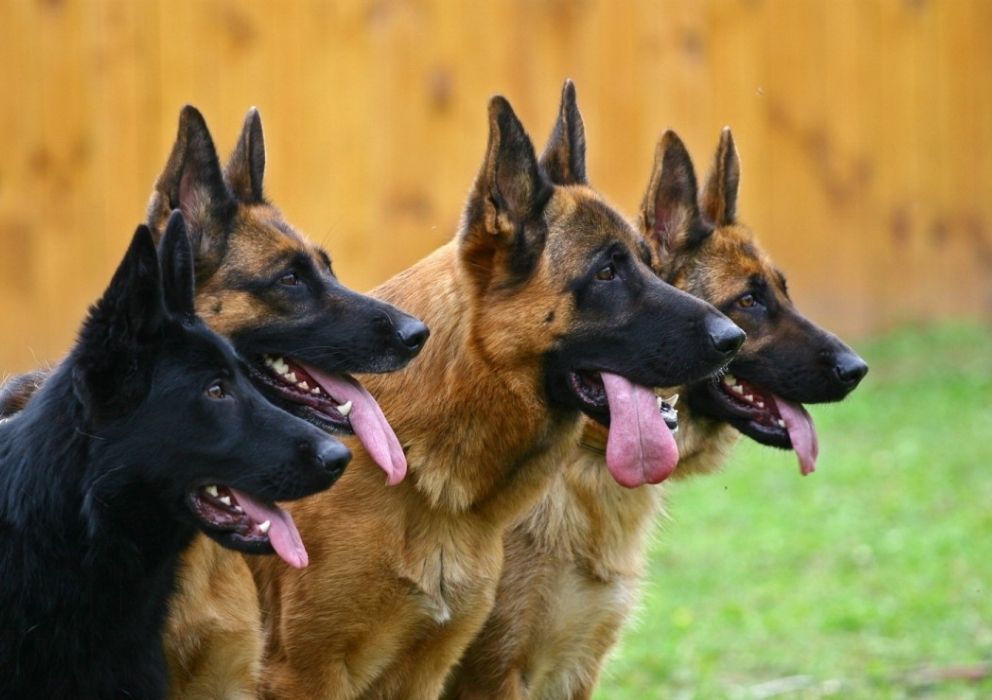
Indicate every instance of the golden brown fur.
{"type": "Point", "coordinates": [574, 564]}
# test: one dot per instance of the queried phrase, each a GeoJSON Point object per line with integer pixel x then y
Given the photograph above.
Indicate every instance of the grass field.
{"type": "Point", "coordinates": [871, 578]}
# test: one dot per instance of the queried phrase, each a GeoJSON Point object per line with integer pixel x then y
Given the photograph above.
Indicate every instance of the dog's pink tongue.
{"type": "Point", "coordinates": [640, 448]}
{"type": "Point", "coordinates": [802, 433]}
{"type": "Point", "coordinates": [283, 535]}
{"type": "Point", "coordinates": [368, 422]}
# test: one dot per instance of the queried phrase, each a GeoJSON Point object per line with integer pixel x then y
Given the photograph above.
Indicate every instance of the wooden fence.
{"type": "Point", "coordinates": [864, 127]}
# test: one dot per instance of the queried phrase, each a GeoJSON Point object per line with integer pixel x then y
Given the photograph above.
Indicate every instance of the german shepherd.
{"type": "Point", "coordinates": [543, 308]}
{"type": "Point", "coordinates": [131, 446]}
{"type": "Point", "coordinates": [273, 293]}
{"type": "Point", "coordinates": [575, 563]}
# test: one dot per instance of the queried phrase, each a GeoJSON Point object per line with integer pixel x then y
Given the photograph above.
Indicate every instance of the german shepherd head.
{"type": "Point", "coordinates": [703, 249]}
{"type": "Point", "coordinates": [274, 293]}
{"type": "Point", "coordinates": [167, 396]}
{"type": "Point", "coordinates": [557, 272]}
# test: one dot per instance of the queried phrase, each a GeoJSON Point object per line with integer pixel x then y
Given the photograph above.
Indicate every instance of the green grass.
{"type": "Point", "coordinates": [852, 582]}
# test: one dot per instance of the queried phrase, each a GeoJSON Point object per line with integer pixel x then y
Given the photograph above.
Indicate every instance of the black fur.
{"type": "Point", "coordinates": [96, 472]}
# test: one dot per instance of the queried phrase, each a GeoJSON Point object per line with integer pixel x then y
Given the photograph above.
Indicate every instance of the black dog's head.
{"type": "Point", "coordinates": [274, 294]}
{"type": "Point", "coordinates": [561, 275]}
{"type": "Point", "coordinates": [787, 360]}
{"type": "Point", "coordinates": [167, 397]}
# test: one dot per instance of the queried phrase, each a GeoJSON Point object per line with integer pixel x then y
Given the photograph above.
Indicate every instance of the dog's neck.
{"type": "Point", "coordinates": [478, 437]}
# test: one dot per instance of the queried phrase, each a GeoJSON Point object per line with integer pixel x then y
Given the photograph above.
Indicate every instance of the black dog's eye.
{"type": "Point", "coordinates": [747, 301]}
{"type": "Point", "coordinates": [216, 391]}
{"type": "Point", "coordinates": [607, 273]}
{"type": "Point", "coordinates": [290, 279]}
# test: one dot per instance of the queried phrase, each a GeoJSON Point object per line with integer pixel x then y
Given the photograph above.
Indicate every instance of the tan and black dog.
{"type": "Point", "coordinates": [574, 564]}
{"type": "Point", "coordinates": [274, 294]}
{"type": "Point", "coordinates": [543, 308]}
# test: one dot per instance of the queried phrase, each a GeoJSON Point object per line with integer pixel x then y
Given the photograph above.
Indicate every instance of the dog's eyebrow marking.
{"type": "Point", "coordinates": [781, 280]}
{"type": "Point", "coordinates": [322, 254]}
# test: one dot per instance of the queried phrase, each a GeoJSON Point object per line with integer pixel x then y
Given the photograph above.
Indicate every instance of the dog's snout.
{"type": "Point", "coordinates": [850, 369]}
{"type": "Point", "coordinates": [726, 336]}
{"type": "Point", "coordinates": [412, 333]}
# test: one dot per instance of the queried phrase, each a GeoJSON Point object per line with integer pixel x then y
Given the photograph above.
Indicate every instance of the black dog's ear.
{"type": "Point", "coordinates": [564, 158]}
{"type": "Point", "coordinates": [193, 183]}
{"type": "Point", "coordinates": [669, 217]}
{"type": "Point", "coordinates": [502, 220]}
{"type": "Point", "coordinates": [108, 374]}
{"type": "Point", "coordinates": [176, 260]}
{"type": "Point", "coordinates": [246, 167]}
{"type": "Point", "coordinates": [720, 193]}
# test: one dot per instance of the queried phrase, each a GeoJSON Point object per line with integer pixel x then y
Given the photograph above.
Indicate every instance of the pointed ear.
{"type": "Point", "coordinates": [669, 216]}
{"type": "Point", "coordinates": [504, 209]}
{"type": "Point", "coordinates": [108, 375]}
{"type": "Point", "coordinates": [564, 158]}
{"type": "Point", "coordinates": [192, 182]}
{"type": "Point", "coordinates": [246, 168]}
{"type": "Point", "coordinates": [176, 260]}
{"type": "Point", "coordinates": [720, 194]}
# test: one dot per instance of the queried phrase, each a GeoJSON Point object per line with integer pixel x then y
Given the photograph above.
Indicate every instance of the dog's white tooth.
{"type": "Point", "coordinates": [660, 401]}
{"type": "Point", "coordinates": [672, 400]}
{"type": "Point", "coordinates": [264, 527]}
{"type": "Point", "coordinates": [237, 508]}
{"type": "Point", "coordinates": [781, 423]}
{"type": "Point", "coordinates": [291, 377]}
{"type": "Point", "coordinates": [280, 366]}
{"type": "Point", "coordinates": [344, 409]}
{"type": "Point", "coordinates": [759, 404]}
{"type": "Point", "coordinates": [212, 490]}
{"type": "Point", "coordinates": [226, 500]}
{"type": "Point", "coordinates": [729, 379]}
{"type": "Point", "coordinates": [304, 386]}
{"type": "Point", "coordinates": [315, 390]}
{"type": "Point", "coordinates": [737, 388]}
{"type": "Point", "coordinates": [748, 397]}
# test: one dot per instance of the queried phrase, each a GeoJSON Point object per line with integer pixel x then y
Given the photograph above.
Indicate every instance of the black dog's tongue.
{"type": "Point", "coordinates": [283, 535]}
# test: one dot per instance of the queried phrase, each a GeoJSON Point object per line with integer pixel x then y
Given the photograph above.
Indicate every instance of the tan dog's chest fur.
{"type": "Point", "coordinates": [573, 572]}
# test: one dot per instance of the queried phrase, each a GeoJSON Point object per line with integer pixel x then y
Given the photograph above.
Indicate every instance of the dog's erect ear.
{"type": "Point", "coordinates": [503, 217]}
{"type": "Point", "coordinates": [669, 216]}
{"type": "Point", "coordinates": [246, 168]}
{"type": "Point", "coordinates": [564, 158]}
{"type": "Point", "coordinates": [720, 193]}
{"type": "Point", "coordinates": [192, 182]}
{"type": "Point", "coordinates": [176, 260]}
{"type": "Point", "coordinates": [108, 374]}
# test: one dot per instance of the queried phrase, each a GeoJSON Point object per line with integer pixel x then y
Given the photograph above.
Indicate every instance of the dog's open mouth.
{"type": "Point", "coordinates": [291, 381]}
{"type": "Point", "coordinates": [764, 417]}
{"type": "Point", "coordinates": [640, 448]}
{"type": "Point", "coordinates": [241, 522]}
{"type": "Point", "coordinates": [336, 403]}
{"type": "Point", "coordinates": [589, 389]}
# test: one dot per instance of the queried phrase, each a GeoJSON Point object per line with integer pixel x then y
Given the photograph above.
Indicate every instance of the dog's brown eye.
{"type": "Point", "coordinates": [216, 391]}
{"type": "Point", "coordinates": [746, 301]}
{"type": "Point", "coordinates": [290, 279]}
{"type": "Point", "coordinates": [607, 273]}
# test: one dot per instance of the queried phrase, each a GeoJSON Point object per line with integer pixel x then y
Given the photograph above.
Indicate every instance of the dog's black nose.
{"type": "Point", "coordinates": [331, 456]}
{"type": "Point", "coordinates": [412, 333]}
{"type": "Point", "coordinates": [726, 336]}
{"type": "Point", "coordinates": [850, 369]}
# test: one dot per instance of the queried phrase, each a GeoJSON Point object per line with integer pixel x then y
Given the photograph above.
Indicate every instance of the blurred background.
{"type": "Point", "coordinates": [865, 134]}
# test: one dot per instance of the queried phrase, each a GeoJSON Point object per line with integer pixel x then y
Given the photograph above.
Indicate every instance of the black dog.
{"type": "Point", "coordinates": [148, 431]}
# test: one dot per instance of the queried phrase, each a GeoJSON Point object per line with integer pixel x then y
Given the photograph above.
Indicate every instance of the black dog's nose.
{"type": "Point", "coordinates": [726, 336]}
{"type": "Point", "coordinates": [412, 333]}
{"type": "Point", "coordinates": [850, 369]}
{"type": "Point", "coordinates": [331, 456]}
